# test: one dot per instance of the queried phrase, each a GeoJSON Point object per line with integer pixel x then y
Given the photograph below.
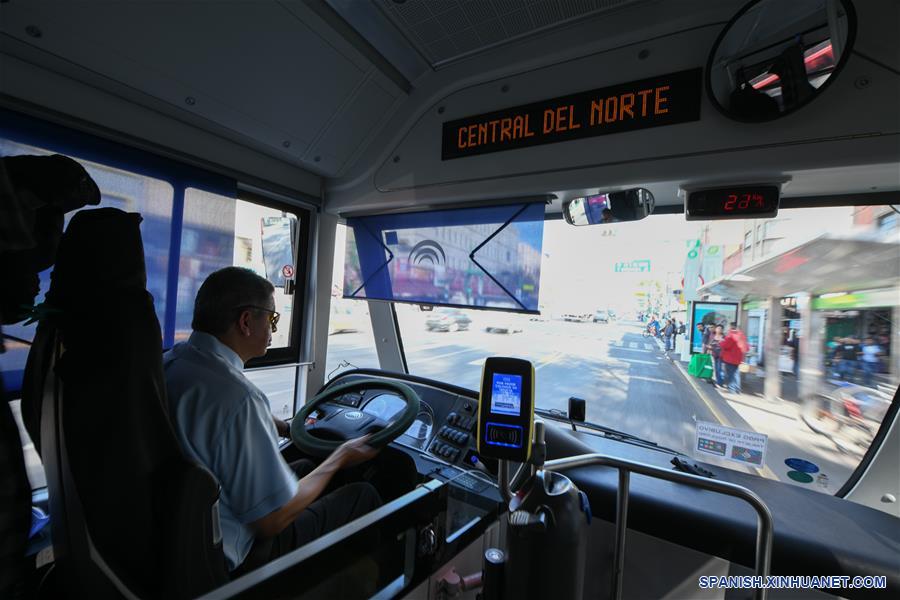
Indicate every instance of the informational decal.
{"type": "Point", "coordinates": [662, 100]}
{"type": "Point", "coordinates": [287, 271]}
{"type": "Point", "coordinates": [800, 477]}
{"type": "Point", "coordinates": [738, 445]}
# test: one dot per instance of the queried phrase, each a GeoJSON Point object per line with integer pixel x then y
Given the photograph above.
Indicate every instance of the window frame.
{"type": "Point", "coordinates": [290, 354]}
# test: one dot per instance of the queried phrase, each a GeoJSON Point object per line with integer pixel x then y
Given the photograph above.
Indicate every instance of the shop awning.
{"type": "Point", "coordinates": [824, 265]}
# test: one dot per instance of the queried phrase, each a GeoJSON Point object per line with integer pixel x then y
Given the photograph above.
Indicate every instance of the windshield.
{"type": "Point", "coordinates": [620, 307]}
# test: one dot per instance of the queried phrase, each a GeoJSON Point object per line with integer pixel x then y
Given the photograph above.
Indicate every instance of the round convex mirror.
{"type": "Point", "coordinates": [774, 56]}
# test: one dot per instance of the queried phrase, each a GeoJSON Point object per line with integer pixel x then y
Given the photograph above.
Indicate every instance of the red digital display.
{"type": "Point", "coordinates": [733, 203]}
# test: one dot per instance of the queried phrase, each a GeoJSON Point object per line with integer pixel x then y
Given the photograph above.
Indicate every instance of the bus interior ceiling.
{"type": "Point", "coordinates": [289, 94]}
{"type": "Point", "coordinates": [353, 108]}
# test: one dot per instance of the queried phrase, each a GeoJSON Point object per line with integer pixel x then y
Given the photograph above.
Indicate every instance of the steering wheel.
{"type": "Point", "coordinates": [351, 423]}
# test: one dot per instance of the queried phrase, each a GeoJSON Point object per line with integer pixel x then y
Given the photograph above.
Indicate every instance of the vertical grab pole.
{"type": "Point", "coordinates": [503, 472]}
{"type": "Point", "coordinates": [621, 528]}
{"type": "Point", "coordinates": [763, 551]}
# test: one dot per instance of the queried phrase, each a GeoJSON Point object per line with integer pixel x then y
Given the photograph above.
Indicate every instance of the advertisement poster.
{"type": "Point", "coordinates": [710, 314]}
{"type": "Point", "coordinates": [746, 447]}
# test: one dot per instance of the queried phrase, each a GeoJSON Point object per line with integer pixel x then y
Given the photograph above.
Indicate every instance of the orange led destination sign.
{"type": "Point", "coordinates": [653, 102]}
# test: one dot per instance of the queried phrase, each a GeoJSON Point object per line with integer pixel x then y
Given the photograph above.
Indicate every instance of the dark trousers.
{"type": "Point", "coordinates": [327, 513]}
{"type": "Point", "coordinates": [732, 377]}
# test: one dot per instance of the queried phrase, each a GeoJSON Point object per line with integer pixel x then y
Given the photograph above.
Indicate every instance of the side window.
{"type": "Point", "coordinates": [126, 190]}
{"type": "Point", "coordinates": [351, 342]}
{"type": "Point", "coordinates": [220, 231]}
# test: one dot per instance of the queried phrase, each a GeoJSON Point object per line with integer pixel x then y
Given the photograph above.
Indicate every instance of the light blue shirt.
{"type": "Point", "coordinates": [224, 423]}
{"type": "Point", "coordinates": [870, 353]}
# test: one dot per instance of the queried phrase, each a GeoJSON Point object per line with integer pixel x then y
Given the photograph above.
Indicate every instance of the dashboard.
{"type": "Point", "coordinates": [444, 427]}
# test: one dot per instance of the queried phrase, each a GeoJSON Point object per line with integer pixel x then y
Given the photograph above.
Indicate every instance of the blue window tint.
{"type": "Point", "coordinates": [125, 190]}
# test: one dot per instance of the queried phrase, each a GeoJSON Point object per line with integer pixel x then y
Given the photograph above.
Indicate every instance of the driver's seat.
{"type": "Point", "coordinates": [130, 515]}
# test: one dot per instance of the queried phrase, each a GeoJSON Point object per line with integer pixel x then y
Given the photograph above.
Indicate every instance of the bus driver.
{"type": "Point", "coordinates": [224, 423]}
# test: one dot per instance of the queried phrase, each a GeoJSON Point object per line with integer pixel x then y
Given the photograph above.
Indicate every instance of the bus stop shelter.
{"type": "Point", "coordinates": [825, 266]}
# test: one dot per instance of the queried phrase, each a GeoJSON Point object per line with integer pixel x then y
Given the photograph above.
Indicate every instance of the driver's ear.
{"type": "Point", "coordinates": [244, 323]}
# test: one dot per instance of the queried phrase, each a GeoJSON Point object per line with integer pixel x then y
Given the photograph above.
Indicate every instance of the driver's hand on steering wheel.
{"type": "Point", "coordinates": [354, 452]}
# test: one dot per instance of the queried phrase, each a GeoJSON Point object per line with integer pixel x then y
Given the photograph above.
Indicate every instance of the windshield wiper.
{"type": "Point", "coordinates": [607, 432]}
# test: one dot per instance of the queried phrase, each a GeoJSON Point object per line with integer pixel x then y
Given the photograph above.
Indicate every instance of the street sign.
{"type": "Point", "coordinates": [632, 266]}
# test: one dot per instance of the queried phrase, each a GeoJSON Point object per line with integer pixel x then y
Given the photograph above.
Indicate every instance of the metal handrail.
{"type": "Point", "coordinates": [764, 524]}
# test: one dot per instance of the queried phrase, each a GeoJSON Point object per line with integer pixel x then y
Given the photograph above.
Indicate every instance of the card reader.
{"type": "Point", "coordinates": [506, 409]}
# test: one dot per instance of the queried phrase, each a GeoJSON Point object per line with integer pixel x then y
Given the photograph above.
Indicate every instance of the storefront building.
{"type": "Point", "coordinates": [800, 303]}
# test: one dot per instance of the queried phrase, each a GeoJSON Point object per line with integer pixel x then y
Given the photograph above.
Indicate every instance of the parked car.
{"type": "Point", "coordinates": [504, 323]}
{"type": "Point", "coordinates": [601, 316]}
{"type": "Point", "coordinates": [577, 317]}
{"type": "Point", "coordinates": [447, 319]}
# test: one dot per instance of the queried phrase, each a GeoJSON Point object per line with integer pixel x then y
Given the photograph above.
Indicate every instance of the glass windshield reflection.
{"type": "Point", "coordinates": [816, 313]}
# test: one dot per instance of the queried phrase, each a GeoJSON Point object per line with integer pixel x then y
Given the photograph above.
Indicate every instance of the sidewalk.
{"type": "Point", "coordinates": [788, 435]}
{"type": "Point", "coordinates": [754, 385]}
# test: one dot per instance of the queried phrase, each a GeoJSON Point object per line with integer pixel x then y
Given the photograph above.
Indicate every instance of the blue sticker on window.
{"type": "Point", "coordinates": [487, 257]}
{"type": "Point", "coordinates": [804, 466]}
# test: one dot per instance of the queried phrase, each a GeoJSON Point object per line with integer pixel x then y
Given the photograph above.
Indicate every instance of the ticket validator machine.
{"type": "Point", "coordinates": [548, 516]}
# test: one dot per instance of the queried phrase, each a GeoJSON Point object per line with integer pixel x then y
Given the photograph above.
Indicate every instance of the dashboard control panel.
{"type": "Point", "coordinates": [454, 437]}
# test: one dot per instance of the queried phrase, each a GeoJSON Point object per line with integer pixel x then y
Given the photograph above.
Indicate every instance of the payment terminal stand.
{"type": "Point", "coordinates": [548, 516]}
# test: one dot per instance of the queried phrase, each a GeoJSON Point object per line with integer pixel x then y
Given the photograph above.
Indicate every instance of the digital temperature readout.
{"type": "Point", "coordinates": [744, 202]}
{"type": "Point", "coordinates": [733, 203]}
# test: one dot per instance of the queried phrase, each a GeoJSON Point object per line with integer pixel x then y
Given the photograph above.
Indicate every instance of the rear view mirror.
{"type": "Point", "coordinates": [614, 207]}
{"type": "Point", "coordinates": [771, 60]}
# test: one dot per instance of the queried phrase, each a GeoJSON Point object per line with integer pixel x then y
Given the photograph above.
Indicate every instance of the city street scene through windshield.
{"type": "Point", "coordinates": [767, 346]}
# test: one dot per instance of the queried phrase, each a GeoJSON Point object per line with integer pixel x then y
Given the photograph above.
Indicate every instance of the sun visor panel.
{"type": "Point", "coordinates": [487, 257]}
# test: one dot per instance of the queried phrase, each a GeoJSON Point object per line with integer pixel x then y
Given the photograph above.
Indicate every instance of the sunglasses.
{"type": "Point", "coordinates": [273, 317]}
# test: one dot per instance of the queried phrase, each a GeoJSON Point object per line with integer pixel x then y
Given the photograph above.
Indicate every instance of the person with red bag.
{"type": "Point", "coordinates": [732, 351]}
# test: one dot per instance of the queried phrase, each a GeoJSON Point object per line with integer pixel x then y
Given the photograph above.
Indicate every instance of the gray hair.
{"type": "Point", "coordinates": [223, 294]}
